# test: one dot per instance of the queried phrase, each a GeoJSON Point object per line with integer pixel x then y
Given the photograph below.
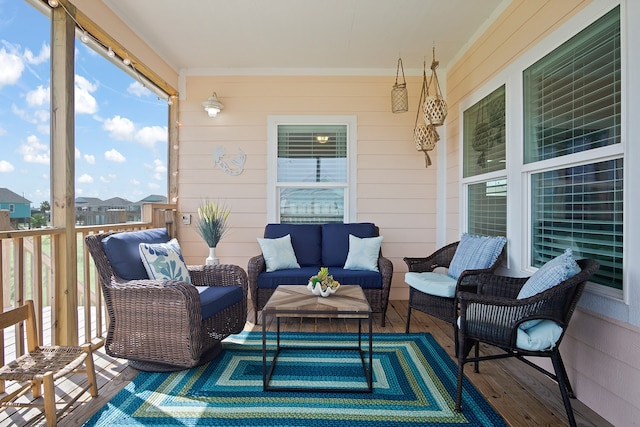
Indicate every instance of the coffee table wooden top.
{"type": "Point", "coordinates": [348, 301]}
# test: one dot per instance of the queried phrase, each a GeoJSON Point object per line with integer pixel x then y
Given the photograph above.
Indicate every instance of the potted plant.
{"type": "Point", "coordinates": [212, 226]}
{"type": "Point", "coordinates": [323, 283]}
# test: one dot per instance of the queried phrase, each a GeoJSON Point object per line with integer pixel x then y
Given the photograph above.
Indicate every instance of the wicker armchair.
{"type": "Point", "coordinates": [440, 307]}
{"type": "Point", "coordinates": [493, 315]}
{"type": "Point", "coordinates": [157, 324]}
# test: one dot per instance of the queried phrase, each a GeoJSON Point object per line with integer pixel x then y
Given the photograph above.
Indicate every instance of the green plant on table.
{"type": "Point", "coordinates": [324, 280]}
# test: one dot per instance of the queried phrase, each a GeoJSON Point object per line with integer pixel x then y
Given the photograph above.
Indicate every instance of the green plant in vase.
{"type": "Point", "coordinates": [212, 226]}
{"type": "Point", "coordinates": [323, 283]}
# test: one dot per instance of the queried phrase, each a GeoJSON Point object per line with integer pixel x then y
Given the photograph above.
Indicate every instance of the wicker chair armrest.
{"type": "Point", "coordinates": [255, 266]}
{"type": "Point", "coordinates": [440, 258]}
{"type": "Point", "coordinates": [219, 275]}
{"type": "Point", "coordinates": [500, 286]}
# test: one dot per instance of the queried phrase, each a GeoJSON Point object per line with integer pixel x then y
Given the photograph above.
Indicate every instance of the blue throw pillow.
{"type": "Point", "coordinates": [475, 252]}
{"type": "Point", "coordinates": [278, 253]}
{"type": "Point", "coordinates": [363, 253]}
{"type": "Point", "coordinates": [122, 251]}
{"type": "Point", "coordinates": [164, 261]}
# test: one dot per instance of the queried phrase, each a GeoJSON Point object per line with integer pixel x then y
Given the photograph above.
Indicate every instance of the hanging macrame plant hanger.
{"type": "Point", "coordinates": [434, 107]}
{"type": "Point", "coordinates": [424, 134]}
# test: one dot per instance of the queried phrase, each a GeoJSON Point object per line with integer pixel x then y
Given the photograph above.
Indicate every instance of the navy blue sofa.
{"type": "Point", "coordinates": [321, 245]}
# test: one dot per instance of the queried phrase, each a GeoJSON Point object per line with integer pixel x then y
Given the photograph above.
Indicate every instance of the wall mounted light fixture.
{"type": "Point", "coordinates": [212, 106]}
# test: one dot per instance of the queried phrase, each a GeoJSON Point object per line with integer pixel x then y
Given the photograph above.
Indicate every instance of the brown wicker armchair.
{"type": "Point", "coordinates": [493, 315]}
{"type": "Point", "coordinates": [157, 324]}
{"type": "Point", "coordinates": [443, 308]}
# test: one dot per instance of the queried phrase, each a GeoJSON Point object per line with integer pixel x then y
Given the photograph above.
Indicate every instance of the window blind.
{"type": "Point", "coordinates": [487, 203]}
{"type": "Point", "coordinates": [572, 95]}
{"type": "Point", "coordinates": [580, 208]}
{"type": "Point", "coordinates": [312, 153]}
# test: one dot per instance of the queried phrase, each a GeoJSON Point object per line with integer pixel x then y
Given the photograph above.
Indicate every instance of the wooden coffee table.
{"type": "Point", "coordinates": [349, 302]}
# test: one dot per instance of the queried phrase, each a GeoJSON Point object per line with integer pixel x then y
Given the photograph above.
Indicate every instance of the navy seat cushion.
{"type": "Point", "coordinates": [335, 241]}
{"type": "Point", "coordinates": [122, 251]}
{"type": "Point", "coordinates": [305, 239]}
{"type": "Point", "coordinates": [214, 299]}
{"type": "Point", "coordinates": [300, 276]}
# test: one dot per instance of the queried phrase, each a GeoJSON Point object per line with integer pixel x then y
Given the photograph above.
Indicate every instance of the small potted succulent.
{"type": "Point", "coordinates": [323, 283]}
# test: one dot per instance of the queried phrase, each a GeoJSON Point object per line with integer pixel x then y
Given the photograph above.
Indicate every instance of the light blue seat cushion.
{"type": "Point", "coordinates": [300, 276]}
{"type": "Point", "coordinates": [552, 273]}
{"type": "Point", "coordinates": [437, 284]}
{"type": "Point", "coordinates": [214, 299]}
{"type": "Point", "coordinates": [123, 251]}
{"type": "Point", "coordinates": [475, 252]}
{"type": "Point", "coordinates": [541, 336]}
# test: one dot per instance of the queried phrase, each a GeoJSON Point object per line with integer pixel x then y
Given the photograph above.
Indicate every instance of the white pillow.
{"type": "Point", "coordinates": [363, 253]}
{"type": "Point", "coordinates": [163, 261]}
{"type": "Point", "coordinates": [278, 253]}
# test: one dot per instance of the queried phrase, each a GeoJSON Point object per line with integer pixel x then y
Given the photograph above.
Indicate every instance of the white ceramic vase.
{"type": "Point", "coordinates": [212, 259]}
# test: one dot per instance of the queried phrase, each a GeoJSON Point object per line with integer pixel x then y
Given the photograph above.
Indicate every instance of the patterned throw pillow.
{"type": "Point", "coordinates": [163, 261]}
{"type": "Point", "coordinates": [278, 253]}
{"type": "Point", "coordinates": [475, 252]}
{"type": "Point", "coordinates": [549, 275]}
{"type": "Point", "coordinates": [363, 253]}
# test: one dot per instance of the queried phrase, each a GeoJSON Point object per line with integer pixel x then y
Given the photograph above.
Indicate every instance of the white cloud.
{"type": "Point", "coordinates": [90, 158]}
{"type": "Point", "coordinates": [134, 182]}
{"type": "Point", "coordinates": [77, 153]}
{"type": "Point", "coordinates": [119, 128]}
{"type": "Point", "coordinates": [11, 67]}
{"type": "Point", "coordinates": [85, 102]}
{"type": "Point", "coordinates": [137, 89]}
{"type": "Point", "coordinates": [85, 179]}
{"type": "Point", "coordinates": [3, 131]}
{"type": "Point", "coordinates": [153, 186]}
{"type": "Point", "coordinates": [114, 156]}
{"type": "Point", "coordinates": [107, 179]}
{"type": "Point", "coordinates": [37, 97]}
{"type": "Point", "coordinates": [149, 135]}
{"type": "Point", "coordinates": [42, 56]}
{"type": "Point", "coordinates": [6, 166]}
{"type": "Point", "coordinates": [33, 151]}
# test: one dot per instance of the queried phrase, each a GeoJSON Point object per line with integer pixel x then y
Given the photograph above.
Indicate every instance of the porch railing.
{"type": "Point", "coordinates": [27, 266]}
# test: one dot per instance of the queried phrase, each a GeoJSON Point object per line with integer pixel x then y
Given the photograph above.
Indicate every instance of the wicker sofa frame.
{"type": "Point", "coordinates": [378, 298]}
{"type": "Point", "coordinates": [493, 315]}
{"type": "Point", "coordinates": [157, 324]}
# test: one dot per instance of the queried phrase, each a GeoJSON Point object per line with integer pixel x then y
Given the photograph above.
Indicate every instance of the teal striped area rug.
{"type": "Point", "coordinates": [413, 379]}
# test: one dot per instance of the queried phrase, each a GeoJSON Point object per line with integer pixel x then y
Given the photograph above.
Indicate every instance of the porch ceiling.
{"type": "Point", "coordinates": [306, 37]}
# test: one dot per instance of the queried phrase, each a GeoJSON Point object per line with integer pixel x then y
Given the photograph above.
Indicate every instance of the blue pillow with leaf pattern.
{"type": "Point", "coordinates": [164, 261]}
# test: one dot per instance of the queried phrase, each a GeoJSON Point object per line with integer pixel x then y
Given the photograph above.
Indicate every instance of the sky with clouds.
{"type": "Point", "coordinates": [121, 127]}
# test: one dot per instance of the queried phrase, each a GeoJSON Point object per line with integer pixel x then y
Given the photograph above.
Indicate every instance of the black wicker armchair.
{"type": "Point", "coordinates": [493, 316]}
{"type": "Point", "coordinates": [158, 324]}
{"type": "Point", "coordinates": [443, 308]}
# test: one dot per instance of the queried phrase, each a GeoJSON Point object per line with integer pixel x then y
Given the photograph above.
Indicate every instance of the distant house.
{"type": "Point", "coordinates": [19, 208]}
{"type": "Point", "coordinates": [94, 211]}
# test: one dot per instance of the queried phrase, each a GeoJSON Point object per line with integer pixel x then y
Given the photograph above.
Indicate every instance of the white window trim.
{"type": "Point", "coordinates": [273, 208]}
{"type": "Point", "coordinates": [600, 299]}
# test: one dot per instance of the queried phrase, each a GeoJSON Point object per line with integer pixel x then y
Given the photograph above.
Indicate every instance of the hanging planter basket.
{"type": "Point", "coordinates": [434, 107]}
{"type": "Point", "coordinates": [424, 134]}
{"type": "Point", "coordinates": [399, 95]}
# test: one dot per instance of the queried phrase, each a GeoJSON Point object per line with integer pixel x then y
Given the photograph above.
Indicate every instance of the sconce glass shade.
{"type": "Point", "coordinates": [212, 106]}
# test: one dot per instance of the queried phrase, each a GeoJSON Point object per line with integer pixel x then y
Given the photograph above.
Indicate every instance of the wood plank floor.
{"type": "Point", "coordinates": [522, 395]}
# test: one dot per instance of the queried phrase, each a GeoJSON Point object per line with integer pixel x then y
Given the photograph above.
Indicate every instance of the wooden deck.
{"type": "Point", "coordinates": [523, 396]}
